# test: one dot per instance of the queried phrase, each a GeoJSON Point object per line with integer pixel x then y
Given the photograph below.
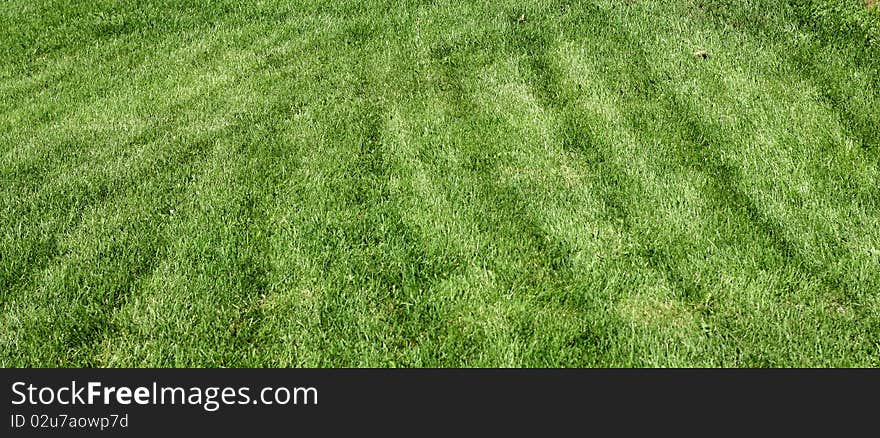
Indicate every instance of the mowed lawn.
{"type": "Point", "coordinates": [439, 183]}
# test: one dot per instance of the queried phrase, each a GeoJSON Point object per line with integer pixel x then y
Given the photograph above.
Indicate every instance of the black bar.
{"type": "Point", "coordinates": [416, 402]}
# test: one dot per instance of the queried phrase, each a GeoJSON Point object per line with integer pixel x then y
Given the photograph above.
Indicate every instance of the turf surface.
{"type": "Point", "coordinates": [439, 183]}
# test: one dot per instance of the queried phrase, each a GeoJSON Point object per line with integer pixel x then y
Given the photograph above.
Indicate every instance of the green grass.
{"type": "Point", "coordinates": [435, 183]}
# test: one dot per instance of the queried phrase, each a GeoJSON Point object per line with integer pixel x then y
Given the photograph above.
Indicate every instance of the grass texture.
{"type": "Point", "coordinates": [445, 183]}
